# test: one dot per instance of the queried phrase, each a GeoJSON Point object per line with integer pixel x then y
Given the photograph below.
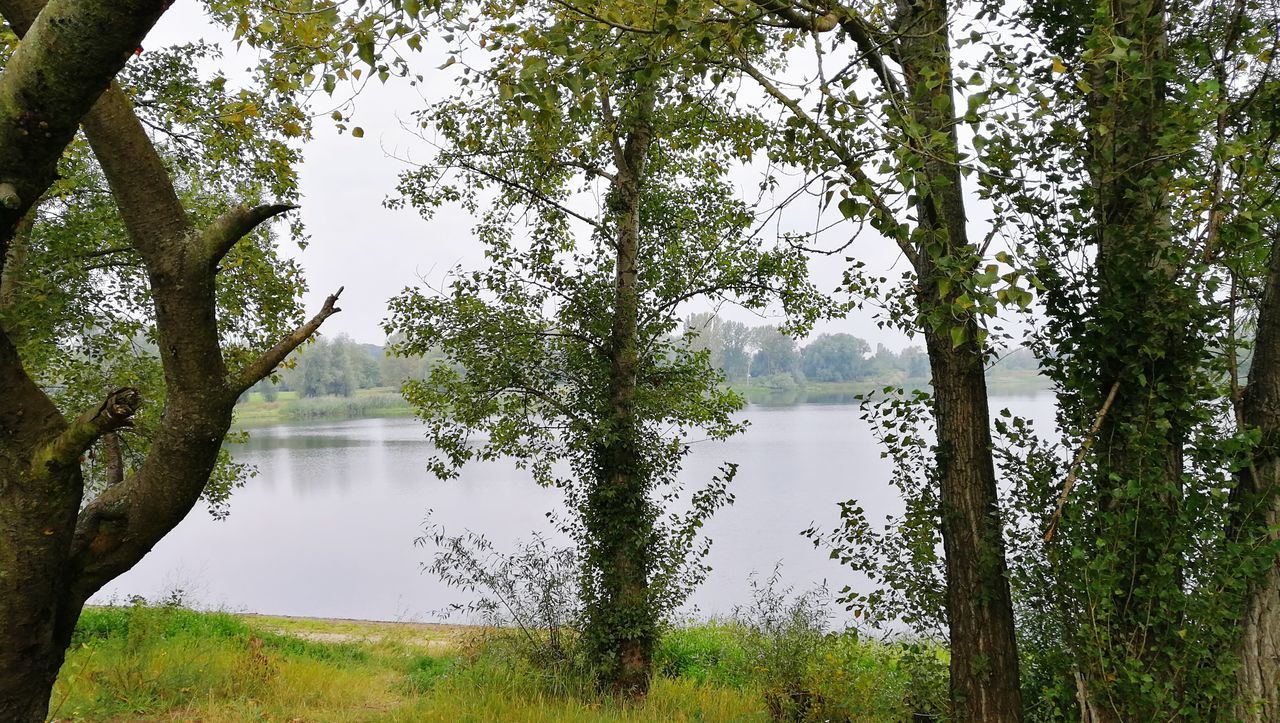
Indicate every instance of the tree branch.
{"type": "Point", "coordinates": [114, 413]}
{"type": "Point", "coordinates": [273, 357]}
{"type": "Point", "coordinates": [526, 189]}
{"type": "Point", "coordinates": [139, 180]}
{"type": "Point", "coordinates": [70, 51]}
{"type": "Point", "coordinates": [226, 231]}
{"type": "Point", "coordinates": [888, 219]}
{"type": "Point", "coordinates": [798, 20]}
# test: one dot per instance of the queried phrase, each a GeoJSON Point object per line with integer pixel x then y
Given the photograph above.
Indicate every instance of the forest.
{"type": "Point", "coordinates": [1089, 191]}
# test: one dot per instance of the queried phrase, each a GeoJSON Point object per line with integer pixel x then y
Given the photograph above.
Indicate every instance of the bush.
{"type": "Point", "coordinates": [782, 638]}
{"type": "Point", "coordinates": [530, 599]}
{"type": "Point", "coordinates": [807, 672]}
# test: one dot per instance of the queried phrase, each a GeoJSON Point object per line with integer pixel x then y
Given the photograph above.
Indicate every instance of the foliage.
{"type": "Point", "coordinates": [1143, 265]}
{"type": "Point", "coordinates": [533, 592]}
{"type": "Point", "coordinates": [77, 299]}
{"type": "Point", "coordinates": [561, 351]}
{"type": "Point", "coordinates": [901, 558]}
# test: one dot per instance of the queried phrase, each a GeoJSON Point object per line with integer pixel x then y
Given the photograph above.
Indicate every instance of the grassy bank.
{"type": "Point", "coordinates": [1003, 382]}
{"type": "Point", "coordinates": [289, 407]}
{"type": "Point", "coordinates": [387, 402]}
{"type": "Point", "coordinates": [170, 664]}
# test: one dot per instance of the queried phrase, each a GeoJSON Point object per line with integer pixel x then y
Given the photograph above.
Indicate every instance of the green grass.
{"type": "Point", "coordinates": [289, 407]}
{"type": "Point", "coordinates": [387, 402]}
{"type": "Point", "coordinates": [169, 664]}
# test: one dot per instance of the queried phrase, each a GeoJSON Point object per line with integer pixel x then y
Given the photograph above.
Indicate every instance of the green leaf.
{"type": "Point", "coordinates": [365, 48]}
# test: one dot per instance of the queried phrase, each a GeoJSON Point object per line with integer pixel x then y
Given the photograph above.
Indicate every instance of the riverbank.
{"type": "Point", "coordinates": [286, 407]}
{"type": "Point", "coordinates": [167, 663]}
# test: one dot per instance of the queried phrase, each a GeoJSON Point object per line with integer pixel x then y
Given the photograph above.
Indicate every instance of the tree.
{"type": "Point", "coordinates": [1144, 264]}
{"type": "Point", "coordinates": [64, 539]}
{"type": "Point", "coordinates": [915, 197]}
{"type": "Point", "coordinates": [776, 353]}
{"type": "Point", "coordinates": [835, 358]}
{"type": "Point", "coordinates": [562, 349]}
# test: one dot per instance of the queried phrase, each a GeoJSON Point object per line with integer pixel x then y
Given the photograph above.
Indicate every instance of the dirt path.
{"type": "Point", "coordinates": [434, 636]}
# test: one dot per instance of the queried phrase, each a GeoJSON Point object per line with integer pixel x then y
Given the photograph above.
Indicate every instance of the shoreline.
{"type": "Point", "coordinates": [386, 402]}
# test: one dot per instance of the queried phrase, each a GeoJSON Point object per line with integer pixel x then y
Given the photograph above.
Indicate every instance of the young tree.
{"type": "Point", "coordinates": [562, 349]}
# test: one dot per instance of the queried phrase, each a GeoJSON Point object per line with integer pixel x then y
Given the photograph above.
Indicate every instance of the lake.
{"type": "Point", "coordinates": [327, 527]}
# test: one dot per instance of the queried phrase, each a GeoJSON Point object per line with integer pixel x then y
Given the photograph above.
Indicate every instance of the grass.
{"type": "Point", "coordinates": [164, 663]}
{"type": "Point", "coordinates": [999, 381]}
{"type": "Point", "coordinates": [289, 407]}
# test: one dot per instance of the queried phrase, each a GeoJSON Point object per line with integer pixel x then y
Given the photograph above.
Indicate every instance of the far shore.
{"type": "Point", "coordinates": [386, 402]}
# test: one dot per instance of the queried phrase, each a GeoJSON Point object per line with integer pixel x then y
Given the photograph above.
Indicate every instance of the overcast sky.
{"type": "Point", "coordinates": [375, 252]}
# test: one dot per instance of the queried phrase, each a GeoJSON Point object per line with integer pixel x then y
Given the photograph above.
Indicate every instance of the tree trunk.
{"type": "Point", "coordinates": [984, 663]}
{"type": "Point", "coordinates": [984, 657]}
{"type": "Point", "coordinates": [56, 551]}
{"type": "Point", "coordinates": [1256, 515]}
{"type": "Point", "coordinates": [37, 517]}
{"type": "Point", "coordinates": [1143, 338]}
{"type": "Point", "coordinates": [619, 518]}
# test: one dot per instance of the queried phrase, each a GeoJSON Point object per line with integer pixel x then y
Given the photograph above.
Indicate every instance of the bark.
{"type": "Point", "coordinates": [53, 553]}
{"type": "Point", "coordinates": [71, 49]}
{"type": "Point", "coordinates": [619, 519]}
{"type": "Point", "coordinates": [984, 657]}
{"type": "Point", "coordinates": [1257, 515]}
{"type": "Point", "coordinates": [984, 662]}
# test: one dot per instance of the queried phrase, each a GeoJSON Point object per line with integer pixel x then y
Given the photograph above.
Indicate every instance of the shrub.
{"type": "Point", "coordinates": [805, 671]}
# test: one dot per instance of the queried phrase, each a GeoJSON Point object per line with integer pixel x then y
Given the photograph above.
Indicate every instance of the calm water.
{"type": "Point", "coordinates": [327, 527]}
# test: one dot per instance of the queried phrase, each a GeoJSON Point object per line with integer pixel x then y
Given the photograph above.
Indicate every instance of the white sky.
{"type": "Point", "coordinates": [375, 252]}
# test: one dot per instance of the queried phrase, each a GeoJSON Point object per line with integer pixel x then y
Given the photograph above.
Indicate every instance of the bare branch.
{"type": "Point", "coordinates": [226, 231]}
{"type": "Point", "coordinates": [886, 215]}
{"type": "Point", "coordinates": [1075, 463]}
{"type": "Point", "coordinates": [526, 189]}
{"type": "Point", "coordinates": [114, 413]}
{"type": "Point", "coordinates": [273, 357]}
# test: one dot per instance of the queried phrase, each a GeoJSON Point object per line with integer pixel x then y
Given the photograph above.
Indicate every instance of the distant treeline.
{"type": "Point", "coordinates": [340, 366]}
{"type": "Point", "coordinates": [764, 356]}
{"type": "Point", "coordinates": [756, 355]}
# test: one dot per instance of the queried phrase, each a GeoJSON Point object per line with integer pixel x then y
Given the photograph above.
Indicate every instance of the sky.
{"type": "Point", "coordinates": [375, 252]}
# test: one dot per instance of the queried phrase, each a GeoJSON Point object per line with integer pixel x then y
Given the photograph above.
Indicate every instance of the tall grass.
{"type": "Point", "coordinates": [166, 663]}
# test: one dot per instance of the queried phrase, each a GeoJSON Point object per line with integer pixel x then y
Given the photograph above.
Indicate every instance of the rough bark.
{"type": "Point", "coordinates": [71, 49]}
{"type": "Point", "coordinates": [984, 662]}
{"type": "Point", "coordinates": [621, 625]}
{"type": "Point", "coordinates": [53, 554]}
{"type": "Point", "coordinates": [1257, 514]}
{"type": "Point", "coordinates": [984, 657]}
